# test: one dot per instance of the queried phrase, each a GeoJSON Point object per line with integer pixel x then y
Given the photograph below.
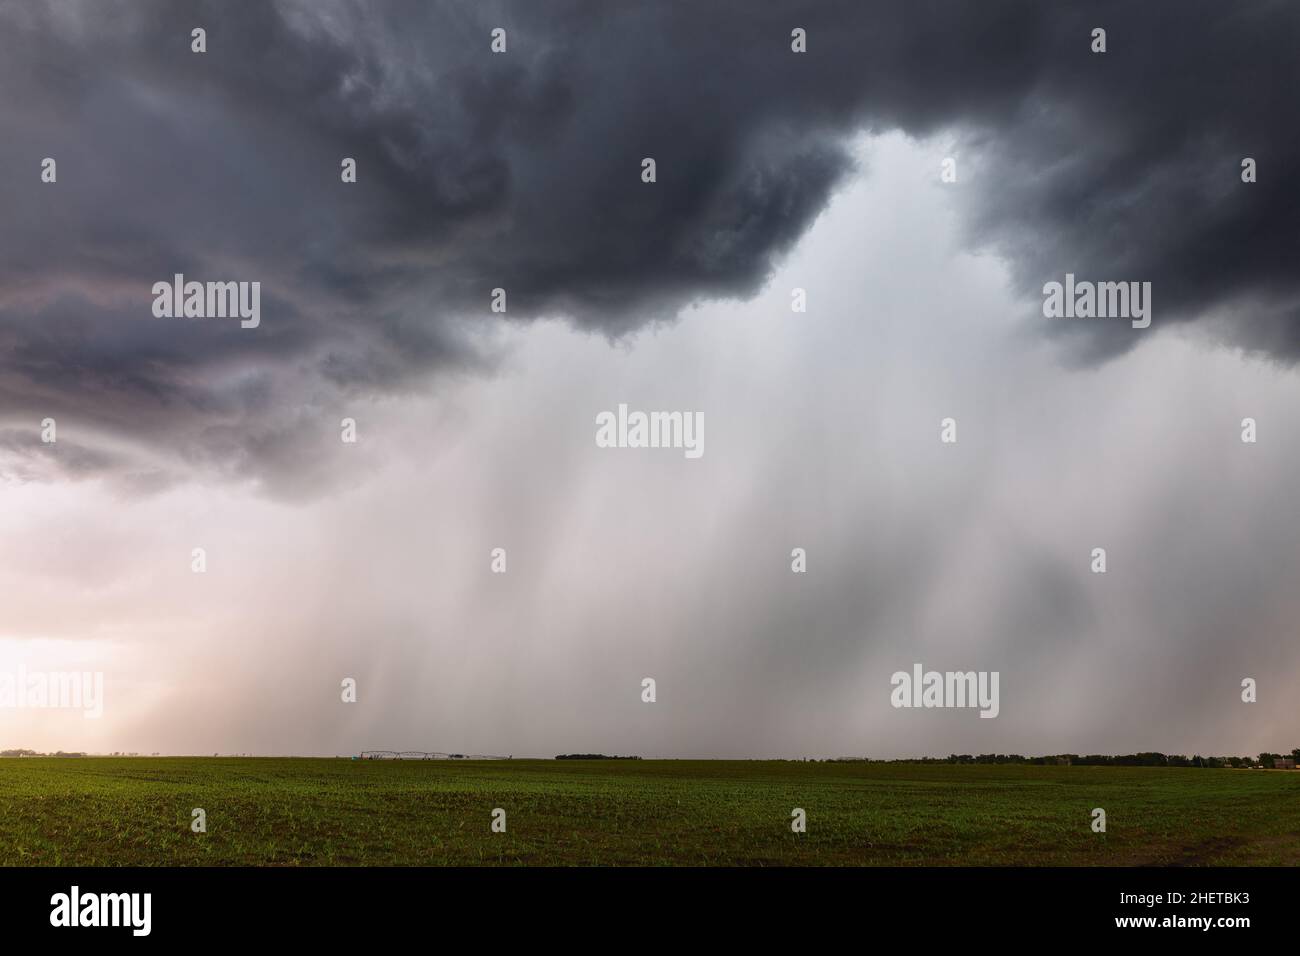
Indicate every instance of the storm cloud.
{"type": "Point", "coordinates": [522, 171]}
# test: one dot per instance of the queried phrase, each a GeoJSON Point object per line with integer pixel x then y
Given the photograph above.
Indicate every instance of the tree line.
{"type": "Point", "coordinates": [1151, 759]}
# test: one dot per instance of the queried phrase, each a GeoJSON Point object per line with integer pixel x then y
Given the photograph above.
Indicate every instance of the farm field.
{"type": "Point", "coordinates": [340, 812]}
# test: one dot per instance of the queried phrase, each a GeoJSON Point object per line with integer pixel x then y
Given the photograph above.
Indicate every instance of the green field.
{"type": "Point", "coordinates": [295, 812]}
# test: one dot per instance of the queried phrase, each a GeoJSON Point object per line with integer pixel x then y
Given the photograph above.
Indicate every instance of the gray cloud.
{"type": "Point", "coordinates": [522, 171]}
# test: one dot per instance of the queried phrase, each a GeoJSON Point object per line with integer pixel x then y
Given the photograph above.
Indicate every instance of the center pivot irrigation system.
{"type": "Point", "coordinates": [424, 755]}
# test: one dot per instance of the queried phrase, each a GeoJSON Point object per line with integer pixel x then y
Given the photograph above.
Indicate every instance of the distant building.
{"type": "Point", "coordinates": [1284, 763]}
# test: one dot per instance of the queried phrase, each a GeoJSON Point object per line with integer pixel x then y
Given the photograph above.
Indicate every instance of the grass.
{"type": "Point", "coordinates": [306, 812]}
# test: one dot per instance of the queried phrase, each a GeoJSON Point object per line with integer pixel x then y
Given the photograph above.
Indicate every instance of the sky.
{"type": "Point", "coordinates": [475, 430]}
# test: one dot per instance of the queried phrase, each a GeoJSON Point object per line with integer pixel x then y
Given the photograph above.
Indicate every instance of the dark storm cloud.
{"type": "Point", "coordinates": [1127, 166]}
{"type": "Point", "coordinates": [523, 171]}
